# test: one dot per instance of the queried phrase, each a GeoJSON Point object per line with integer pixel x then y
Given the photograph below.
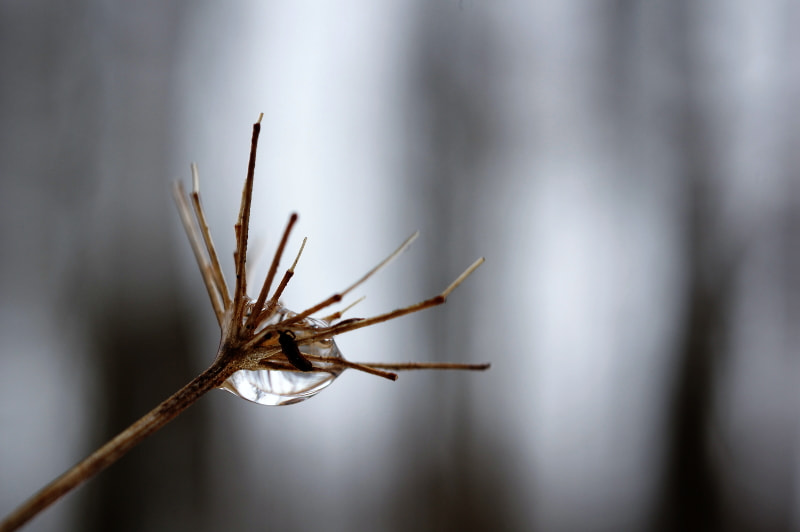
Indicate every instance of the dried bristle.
{"type": "Point", "coordinates": [338, 314]}
{"type": "Point", "coordinates": [256, 316]}
{"type": "Point", "coordinates": [439, 299]}
{"type": "Point", "coordinates": [262, 308]}
{"type": "Point", "coordinates": [216, 269]}
{"type": "Point", "coordinates": [288, 274]}
{"type": "Point", "coordinates": [335, 298]}
{"type": "Point", "coordinates": [242, 230]}
{"type": "Point", "coordinates": [200, 255]}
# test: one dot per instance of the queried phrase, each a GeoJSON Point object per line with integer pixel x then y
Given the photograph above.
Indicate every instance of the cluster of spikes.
{"type": "Point", "coordinates": [267, 353]}
{"type": "Point", "coordinates": [272, 355]}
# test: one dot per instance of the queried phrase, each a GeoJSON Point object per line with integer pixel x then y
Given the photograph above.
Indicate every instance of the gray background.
{"type": "Point", "coordinates": [629, 169]}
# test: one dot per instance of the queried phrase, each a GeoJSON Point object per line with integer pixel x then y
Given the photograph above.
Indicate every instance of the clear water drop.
{"type": "Point", "coordinates": [277, 387]}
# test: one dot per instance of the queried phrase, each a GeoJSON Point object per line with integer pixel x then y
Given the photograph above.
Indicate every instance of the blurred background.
{"type": "Point", "coordinates": [630, 170]}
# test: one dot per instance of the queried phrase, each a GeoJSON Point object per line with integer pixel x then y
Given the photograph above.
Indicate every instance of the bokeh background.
{"type": "Point", "coordinates": [630, 169]}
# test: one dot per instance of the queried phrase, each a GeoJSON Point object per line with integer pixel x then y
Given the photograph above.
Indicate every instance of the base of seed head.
{"type": "Point", "coordinates": [279, 356]}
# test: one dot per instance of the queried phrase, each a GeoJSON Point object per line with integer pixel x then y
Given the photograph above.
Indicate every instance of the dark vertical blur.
{"type": "Point", "coordinates": [451, 89]}
{"type": "Point", "coordinates": [692, 491]}
{"type": "Point", "coordinates": [698, 490]}
{"type": "Point", "coordinates": [74, 77]}
{"type": "Point", "coordinates": [136, 317]}
{"type": "Point", "coordinates": [691, 497]}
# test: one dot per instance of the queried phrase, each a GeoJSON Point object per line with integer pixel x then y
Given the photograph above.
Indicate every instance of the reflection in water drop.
{"type": "Point", "coordinates": [279, 387]}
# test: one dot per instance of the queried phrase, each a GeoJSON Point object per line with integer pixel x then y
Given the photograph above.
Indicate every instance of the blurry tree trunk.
{"type": "Point", "coordinates": [134, 314]}
{"type": "Point", "coordinates": [452, 78]}
{"type": "Point", "coordinates": [87, 130]}
{"type": "Point", "coordinates": [691, 492]}
{"type": "Point", "coordinates": [691, 496]}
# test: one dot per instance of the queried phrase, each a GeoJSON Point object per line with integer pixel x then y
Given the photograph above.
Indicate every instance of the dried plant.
{"type": "Point", "coordinates": [267, 353]}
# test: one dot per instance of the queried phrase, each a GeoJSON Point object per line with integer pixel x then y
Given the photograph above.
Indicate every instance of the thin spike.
{"type": "Point", "coordinates": [216, 269]}
{"type": "Point", "coordinates": [336, 315]}
{"type": "Point", "coordinates": [460, 279]}
{"type": "Point", "coordinates": [366, 368]}
{"type": "Point", "coordinates": [269, 308]}
{"type": "Point", "coordinates": [197, 247]}
{"type": "Point", "coordinates": [242, 229]}
{"type": "Point", "coordinates": [427, 365]}
{"type": "Point", "coordinates": [280, 365]}
{"type": "Point", "coordinates": [422, 305]}
{"type": "Point", "coordinates": [372, 370]}
{"type": "Point", "coordinates": [256, 314]}
{"type": "Point", "coordinates": [335, 298]}
{"type": "Point", "coordinates": [404, 246]}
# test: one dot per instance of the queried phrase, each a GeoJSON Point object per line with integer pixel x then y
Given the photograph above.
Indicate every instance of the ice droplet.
{"type": "Point", "coordinates": [277, 387]}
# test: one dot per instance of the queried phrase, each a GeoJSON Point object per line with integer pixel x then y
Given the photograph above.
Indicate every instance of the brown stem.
{"type": "Point", "coordinates": [116, 448]}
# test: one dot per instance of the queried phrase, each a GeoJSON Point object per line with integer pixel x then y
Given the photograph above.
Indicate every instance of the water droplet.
{"type": "Point", "coordinates": [277, 387]}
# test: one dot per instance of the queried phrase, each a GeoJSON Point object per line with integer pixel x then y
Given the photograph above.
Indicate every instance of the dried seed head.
{"type": "Point", "coordinates": [275, 356]}
{"type": "Point", "coordinates": [268, 354]}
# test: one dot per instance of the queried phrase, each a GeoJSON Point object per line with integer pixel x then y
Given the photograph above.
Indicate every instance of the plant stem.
{"type": "Point", "coordinates": [116, 448]}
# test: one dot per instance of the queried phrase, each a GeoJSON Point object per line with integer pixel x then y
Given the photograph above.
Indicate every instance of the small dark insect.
{"type": "Point", "coordinates": [292, 352]}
